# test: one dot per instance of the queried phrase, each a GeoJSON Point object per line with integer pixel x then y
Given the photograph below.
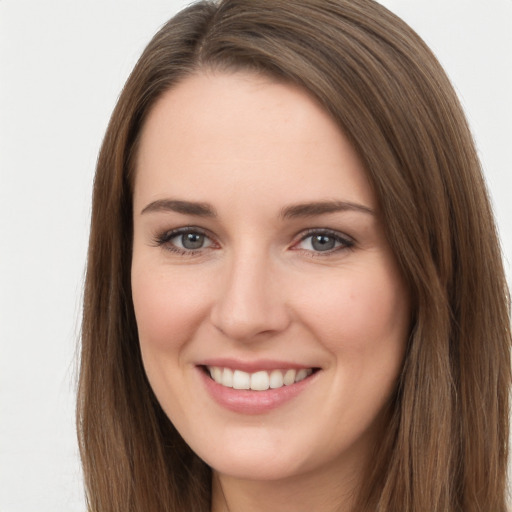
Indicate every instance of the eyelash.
{"type": "Point", "coordinates": [164, 240]}
{"type": "Point", "coordinates": [345, 243]}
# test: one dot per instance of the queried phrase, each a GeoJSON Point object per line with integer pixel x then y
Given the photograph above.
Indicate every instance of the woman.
{"type": "Point", "coordinates": [294, 296]}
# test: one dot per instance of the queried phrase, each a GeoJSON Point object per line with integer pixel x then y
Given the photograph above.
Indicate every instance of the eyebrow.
{"type": "Point", "coordinates": [185, 207]}
{"type": "Point", "coordinates": [299, 210]}
{"type": "Point", "coordinates": [322, 208]}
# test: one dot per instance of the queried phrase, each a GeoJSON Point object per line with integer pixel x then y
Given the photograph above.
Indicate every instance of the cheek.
{"type": "Point", "coordinates": [359, 312]}
{"type": "Point", "coordinates": [362, 319]}
{"type": "Point", "coordinates": [168, 307]}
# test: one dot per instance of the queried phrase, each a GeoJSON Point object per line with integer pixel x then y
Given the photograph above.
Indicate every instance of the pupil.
{"type": "Point", "coordinates": [323, 243]}
{"type": "Point", "coordinates": [192, 240]}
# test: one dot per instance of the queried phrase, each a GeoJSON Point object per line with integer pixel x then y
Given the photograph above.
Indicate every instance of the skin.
{"type": "Point", "coordinates": [258, 288]}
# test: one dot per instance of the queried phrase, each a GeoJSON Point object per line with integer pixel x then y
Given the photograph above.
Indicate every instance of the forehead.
{"type": "Point", "coordinates": [225, 132]}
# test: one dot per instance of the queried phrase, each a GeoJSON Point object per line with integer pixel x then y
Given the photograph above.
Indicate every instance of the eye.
{"type": "Point", "coordinates": [324, 241]}
{"type": "Point", "coordinates": [190, 240]}
{"type": "Point", "coordinates": [184, 240]}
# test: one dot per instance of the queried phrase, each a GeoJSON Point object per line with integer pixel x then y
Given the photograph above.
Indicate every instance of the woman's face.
{"type": "Point", "coordinates": [259, 258]}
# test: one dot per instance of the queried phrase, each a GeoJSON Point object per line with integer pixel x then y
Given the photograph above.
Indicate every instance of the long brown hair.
{"type": "Point", "coordinates": [446, 444]}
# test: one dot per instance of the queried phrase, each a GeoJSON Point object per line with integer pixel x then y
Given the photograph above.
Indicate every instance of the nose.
{"type": "Point", "coordinates": [250, 303]}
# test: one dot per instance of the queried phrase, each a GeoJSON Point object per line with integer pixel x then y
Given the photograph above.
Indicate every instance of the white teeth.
{"type": "Point", "coordinates": [289, 377]}
{"type": "Point", "coordinates": [257, 381]}
{"type": "Point", "coordinates": [216, 373]}
{"type": "Point", "coordinates": [260, 381]}
{"type": "Point", "coordinates": [227, 377]}
{"type": "Point", "coordinates": [301, 375]}
{"type": "Point", "coordinates": [276, 379]}
{"type": "Point", "coordinates": [241, 380]}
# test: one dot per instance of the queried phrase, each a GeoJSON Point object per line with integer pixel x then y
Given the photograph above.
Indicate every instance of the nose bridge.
{"type": "Point", "coordinates": [248, 301]}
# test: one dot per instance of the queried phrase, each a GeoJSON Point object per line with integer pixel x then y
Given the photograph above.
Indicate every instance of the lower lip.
{"type": "Point", "coordinates": [246, 401]}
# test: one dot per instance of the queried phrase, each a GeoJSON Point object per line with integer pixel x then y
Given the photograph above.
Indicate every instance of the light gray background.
{"type": "Point", "coordinates": [62, 65]}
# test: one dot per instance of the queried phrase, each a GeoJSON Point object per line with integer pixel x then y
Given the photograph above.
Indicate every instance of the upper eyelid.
{"type": "Point", "coordinates": [171, 233]}
{"type": "Point", "coordinates": [302, 235]}
{"type": "Point", "coordinates": [163, 238]}
{"type": "Point", "coordinates": [346, 242]}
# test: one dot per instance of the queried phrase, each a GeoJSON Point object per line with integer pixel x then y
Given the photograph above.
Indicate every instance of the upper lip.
{"type": "Point", "coordinates": [254, 366]}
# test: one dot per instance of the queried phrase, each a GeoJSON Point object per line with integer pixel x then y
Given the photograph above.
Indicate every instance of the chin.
{"type": "Point", "coordinates": [257, 468]}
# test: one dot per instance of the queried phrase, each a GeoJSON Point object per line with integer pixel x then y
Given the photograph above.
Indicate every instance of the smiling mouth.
{"type": "Point", "coordinates": [257, 381]}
